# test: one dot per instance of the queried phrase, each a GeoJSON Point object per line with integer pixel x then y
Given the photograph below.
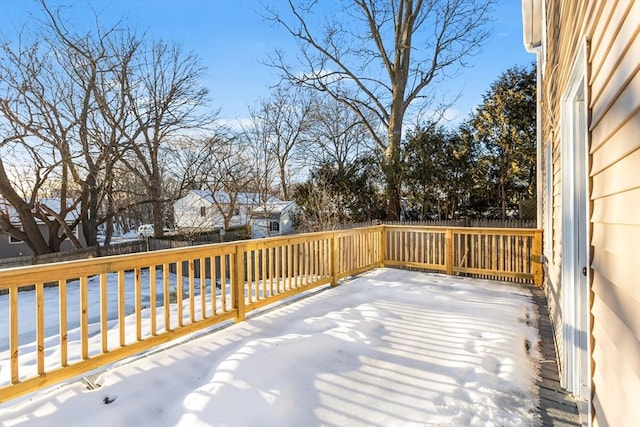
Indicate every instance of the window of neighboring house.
{"type": "Point", "coordinates": [236, 212]}
{"type": "Point", "coordinates": [274, 226]}
{"type": "Point", "coordinates": [13, 240]}
{"type": "Point", "coordinates": [203, 211]}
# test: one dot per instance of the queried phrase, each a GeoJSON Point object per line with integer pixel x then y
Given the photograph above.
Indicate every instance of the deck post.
{"type": "Point", "coordinates": [448, 251]}
{"type": "Point", "coordinates": [536, 254]}
{"type": "Point", "coordinates": [238, 285]}
{"type": "Point", "coordinates": [383, 245]}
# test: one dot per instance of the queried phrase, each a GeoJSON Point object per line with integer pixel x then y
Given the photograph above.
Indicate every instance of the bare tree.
{"type": "Point", "coordinates": [19, 213]}
{"type": "Point", "coordinates": [284, 119]}
{"type": "Point", "coordinates": [257, 146]}
{"type": "Point", "coordinates": [49, 110]}
{"type": "Point", "coordinates": [321, 209]}
{"type": "Point", "coordinates": [380, 57]}
{"type": "Point", "coordinates": [255, 139]}
{"type": "Point", "coordinates": [166, 100]}
{"type": "Point", "coordinates": [336, 135]}
{"type": "Point", "coordinates": [219, 165]}
{"type": "Point", "coordinates": [82, 105]}
{"type": "Point", "coordinates": [89, 67]}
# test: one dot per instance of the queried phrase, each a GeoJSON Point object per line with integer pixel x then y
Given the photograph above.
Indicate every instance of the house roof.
{"type": "Point", "coordinates": [272, 211]}
{"type": "Point", "coordinates": [51, 203]}
{"type": "Point", "coordinates": [251, 199]}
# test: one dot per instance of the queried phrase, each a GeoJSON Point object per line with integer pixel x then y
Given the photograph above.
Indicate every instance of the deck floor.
{"type": "Point", "coordinates": [557, 407]}
{"type": "Point", "coordinates": [372, 353]}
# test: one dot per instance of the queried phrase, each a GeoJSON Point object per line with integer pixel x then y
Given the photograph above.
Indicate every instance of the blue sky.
{"type": "Point", "coordinates": [233, 40]}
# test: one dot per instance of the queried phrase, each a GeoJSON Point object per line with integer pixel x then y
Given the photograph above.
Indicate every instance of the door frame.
{"type": "Point", "coordinates": [575, 271]}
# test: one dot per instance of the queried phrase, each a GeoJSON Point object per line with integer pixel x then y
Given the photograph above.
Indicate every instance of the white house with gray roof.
{"type": "Point", "coordinates": [273, 220]}
{"type": "Point", "coordinates": [203, 210]}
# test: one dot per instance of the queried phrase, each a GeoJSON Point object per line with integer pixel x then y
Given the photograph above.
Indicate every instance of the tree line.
{"type": "Point", "coordinates": [483, 168]}
{"type": "Point", "coordinates": [115, 126]}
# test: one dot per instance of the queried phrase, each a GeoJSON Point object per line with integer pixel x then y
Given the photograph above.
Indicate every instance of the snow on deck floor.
{"type": "Point", "coordinates": [388, 348]}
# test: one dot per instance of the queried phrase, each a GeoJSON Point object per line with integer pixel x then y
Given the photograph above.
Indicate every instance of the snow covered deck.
{"type": "Point", "coordinates": [389, 347]}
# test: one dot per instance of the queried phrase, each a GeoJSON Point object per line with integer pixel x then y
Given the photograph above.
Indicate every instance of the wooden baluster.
{"type": "Point", "coordinates": [192, 288]}
{"type": "Point", "coordinates": [166, 293]}
{"type": "Point", "coordinates": [203, 288]}
{"type": "Point", "coordinates": [179, 292]}
{"type": "Point", "coordinates": [84, 319]}
{"type": "Point", "coordinates": [215, 262]}
{"type": "Point", "coordinates": [62, 302]}
{"type": "Point", "coordinates": [104, 313]}
{"type": "Point", "coordinates": [223, 283]}
{"type": "Point", "coordinates": [121, 309]}
{"type": "Point", "coordinates": [13, 334]}
{"type": "Point", "coordinates": [40, 327]}
{"type": "Point", "coordinates": [152, 299]}
{"type": "Point", "coordinates": [138, 303]}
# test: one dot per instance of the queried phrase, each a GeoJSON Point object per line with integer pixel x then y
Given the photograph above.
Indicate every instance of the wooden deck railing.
{"type": "Point", "coordinates": [500, 254]}
{"type": "Point", "coordinates": [81, 315]}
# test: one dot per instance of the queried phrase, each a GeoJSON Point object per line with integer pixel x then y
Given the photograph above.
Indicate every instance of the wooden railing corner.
{"type": "Point", "coordinates": [448, 250]}
{"type": "Point", "coordinates": [237, 284]}
{"type": "Point", "coordinates": [335, 248]}
{"type": "Point", "coordinates": [538, 271]}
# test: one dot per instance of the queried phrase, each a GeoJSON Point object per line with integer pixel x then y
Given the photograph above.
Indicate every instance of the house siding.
{"type": "Point", "coordinates": [188, 215]}
{"type": "Point", "coordinates": [612, 31]}
{"type": "Point", "coordinates": [615, 175]}
{"type": "Point", "coordinates": [187, 210]}
{"type": "Point", "coordinates": [10, 249]}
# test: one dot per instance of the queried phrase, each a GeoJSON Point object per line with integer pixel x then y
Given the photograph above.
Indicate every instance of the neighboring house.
{"type": "Point", "coordinates": [202, 210]}
{"type": "Point", "coordinates": [273, 220]}
{"type": "Point", "coordinates": [11, 247]}
{"type": "Point", "coordinates": [588, 55]}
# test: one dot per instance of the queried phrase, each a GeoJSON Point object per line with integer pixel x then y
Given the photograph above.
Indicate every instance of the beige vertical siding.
{"type": "Point", "coordinates": [553, 283]}
{"type": "Point", "coordinates": [550, 130]}
{"type": "Point", "coordinates": [613, 72]}
{"type": "Point", "coordinates": [562, 46]}
{"type": "Point", "coordinates": [615, 195]}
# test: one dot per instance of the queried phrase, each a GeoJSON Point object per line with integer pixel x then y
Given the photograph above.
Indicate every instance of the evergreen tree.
{"type": "Point", "coordinates": [504, 128]}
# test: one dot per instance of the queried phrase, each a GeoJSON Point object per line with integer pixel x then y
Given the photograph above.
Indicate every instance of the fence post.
{"type": "Point", "coordinates": [238, 285]}
{"type": "Point", "coordinates": [536, 254]}
{"type": "Point", "coordinates": [448, 251]}
{"type": "Point", "coordinates": [335, 247]}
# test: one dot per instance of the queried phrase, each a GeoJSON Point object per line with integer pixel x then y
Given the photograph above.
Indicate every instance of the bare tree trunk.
{"type": "Point", "coordinates": [30, 232]}
{"type": "Point", "coordinates": [284, 181]}
{"type": "Point", "coordinates": [503, 200]}
{"type": "Point", "coordinates": [392, 178]}
{"type": "Point", "coordinates": [157, 207]}
{"type": "Point", "coordinates": [393, 167]}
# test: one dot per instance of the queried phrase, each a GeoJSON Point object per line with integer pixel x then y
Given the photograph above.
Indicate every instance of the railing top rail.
{"type": "Point", "coordinates": [467, 230]}
{"type": "Point", "coordinates": [356, 230]}
{"type": "Point", "coordinates": [71, 269]}
{"type": "Point", "coordinates": [288, 239]}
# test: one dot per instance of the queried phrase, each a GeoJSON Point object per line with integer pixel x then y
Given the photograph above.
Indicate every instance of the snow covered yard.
{"type": "Point", "coordinates": [388, 348]}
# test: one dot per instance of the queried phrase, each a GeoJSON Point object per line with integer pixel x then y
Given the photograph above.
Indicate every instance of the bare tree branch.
{"type": "Point", "coordinates": [387, 52]}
